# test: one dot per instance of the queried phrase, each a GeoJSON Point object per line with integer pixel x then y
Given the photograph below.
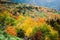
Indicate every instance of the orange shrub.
{"type": "Point", "coordinates": [10, 30]}
{"type": "Point", "coordinates": [40, 21]}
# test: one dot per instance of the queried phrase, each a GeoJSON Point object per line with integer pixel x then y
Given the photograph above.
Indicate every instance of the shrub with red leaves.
{"type": "Point", "coordinates": [37, 35]}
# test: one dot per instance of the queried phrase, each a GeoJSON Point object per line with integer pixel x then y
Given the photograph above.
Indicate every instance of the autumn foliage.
{"type": "Point", "coordinates": [10, 30]}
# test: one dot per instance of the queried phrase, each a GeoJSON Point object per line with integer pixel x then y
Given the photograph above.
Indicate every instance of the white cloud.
{"type": "Point", "coordinates": [49, 0]}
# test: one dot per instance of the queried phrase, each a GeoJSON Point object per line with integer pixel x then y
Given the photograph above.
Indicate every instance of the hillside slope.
{"type": "Point", "coordinates": [28, 22]}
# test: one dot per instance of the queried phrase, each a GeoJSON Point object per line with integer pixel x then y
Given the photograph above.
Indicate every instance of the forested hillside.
{"type": "Point", "coordinates": [28, 22]}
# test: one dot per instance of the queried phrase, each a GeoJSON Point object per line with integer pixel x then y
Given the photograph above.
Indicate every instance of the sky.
{"type": "Point", "coordinates": [55, 4]}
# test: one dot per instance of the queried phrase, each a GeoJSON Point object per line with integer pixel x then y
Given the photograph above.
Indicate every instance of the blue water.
{"type": "Point", "coordinates": [55, 4]}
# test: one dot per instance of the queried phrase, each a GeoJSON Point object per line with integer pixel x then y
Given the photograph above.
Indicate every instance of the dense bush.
{"type": "Point", "coordinates": [6, 19]}
{"type": "Point", "coordinates": [5, 36]}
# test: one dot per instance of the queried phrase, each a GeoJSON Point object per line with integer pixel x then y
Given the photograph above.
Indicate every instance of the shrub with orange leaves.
{"type": "Point", "coordinates": [40, 21]}
{"type": "Point", "coordinates": [10, 30]}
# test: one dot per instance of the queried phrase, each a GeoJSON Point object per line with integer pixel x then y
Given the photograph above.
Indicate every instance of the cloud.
{"type": "Point", "coordinates": [49, 0]}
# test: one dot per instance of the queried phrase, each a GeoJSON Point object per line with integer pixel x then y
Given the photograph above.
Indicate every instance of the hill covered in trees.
{"type": "Point", "coordinates": [28, 22]}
